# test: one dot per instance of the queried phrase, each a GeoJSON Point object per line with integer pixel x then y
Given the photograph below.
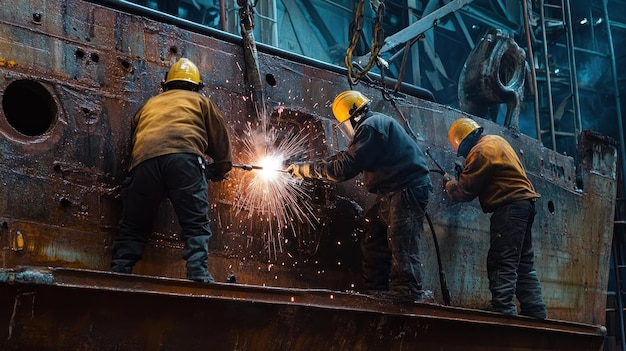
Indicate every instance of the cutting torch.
{"type": "Point", "coordinates": [248, 167]}
{"type": "Point", "coordinates": [441, 170]}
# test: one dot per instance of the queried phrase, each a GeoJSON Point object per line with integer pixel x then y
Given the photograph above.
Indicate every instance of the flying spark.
{"type": "Point", "coordinates": [271, 192]}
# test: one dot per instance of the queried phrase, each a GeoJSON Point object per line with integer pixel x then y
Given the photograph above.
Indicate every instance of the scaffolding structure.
{"type": "Point", "coordinates": [559, 99]}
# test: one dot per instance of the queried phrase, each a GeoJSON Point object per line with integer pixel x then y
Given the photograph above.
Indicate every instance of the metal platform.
{"type": "Point", "coordinates": [63, 309]}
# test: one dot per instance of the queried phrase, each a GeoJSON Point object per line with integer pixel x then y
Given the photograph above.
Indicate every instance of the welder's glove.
{"type": "Point", "coordinates": [213, 173]}
{"type": "Point", "coordinates": [300, 170]}
{"type": "Point", "coordinates": [446, 179]}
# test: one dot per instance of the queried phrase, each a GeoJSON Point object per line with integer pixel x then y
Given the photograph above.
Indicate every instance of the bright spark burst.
{"type": "Point", "coordinates": [272, 166]}
{"type": "Point", "coordinates": [271, 192]}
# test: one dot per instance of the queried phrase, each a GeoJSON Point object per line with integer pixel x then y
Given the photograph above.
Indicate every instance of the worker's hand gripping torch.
{"type": "Point", "coordinates": [446, 177]}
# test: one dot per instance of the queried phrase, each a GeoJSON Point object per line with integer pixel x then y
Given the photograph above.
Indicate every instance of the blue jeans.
{"type": "Point", "coordinates": [510, 261]}
{"type": "Point", "coordinates": [181, 178]}
{"type": "Point", "coordinates": [392, 242]}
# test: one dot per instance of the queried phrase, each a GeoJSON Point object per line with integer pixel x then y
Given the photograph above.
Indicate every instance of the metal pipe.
{"type": "Point", "coordinates": [250, 53]}
{"type": "Point", "coordinates": [618, 107]}
{"type": "Point", "coordinates": [572, 76]}
{"type": "Point", "coordinates": [222, 15]}
{"type": "Point", "coordinates": [419, 27]}
{"type": "Point", "coordinates": [274, 23]}
{"type": "Point", "coordinates": [622, 147]}
{"type": "Point", "coordinates": [531, 60]}
{"type": "Point", "coordinates": [583, 50]}
{"type": "Point", "coordinates": [547, 69]}
{"type": "Point", "coordinates": [619, 304]}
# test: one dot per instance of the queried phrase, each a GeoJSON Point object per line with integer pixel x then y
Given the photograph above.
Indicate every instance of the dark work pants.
{"type": "Point", "coordinates": [510, 261]}
{"type": "Point", "coordinates": [181, 178]}
{"type": "Point", "coordinates": [392, 242]}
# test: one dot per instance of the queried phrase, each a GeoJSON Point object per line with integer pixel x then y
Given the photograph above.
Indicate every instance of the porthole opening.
{"type": "Point", "coordinates": [28, 107]}
{"type": "Point", "coordinates": [271, 80]}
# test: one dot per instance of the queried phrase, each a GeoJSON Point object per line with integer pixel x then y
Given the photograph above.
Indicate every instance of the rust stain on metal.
{"type": "Point", "coordinates": [77, 73]}
{"type": "Point", "coordinates": [119, 309]}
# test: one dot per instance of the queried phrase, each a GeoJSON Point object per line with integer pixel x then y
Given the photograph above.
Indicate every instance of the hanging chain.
{"type": "Point", "coordinates": [246, 14]}
{"type": "Point", "coordinates": [356, 30]}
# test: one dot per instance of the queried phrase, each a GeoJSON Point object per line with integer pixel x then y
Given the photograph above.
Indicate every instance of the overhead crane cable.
{"type": "Point", "coordinates": [378, 37]}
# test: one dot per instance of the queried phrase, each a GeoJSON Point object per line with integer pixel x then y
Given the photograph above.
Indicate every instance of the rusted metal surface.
{"type": "Point", "coordinates": [52, 309]}
{"type": "Point", "coordinates": [86, 69]}
{"type": "Point", "coordinates": [494, 73]}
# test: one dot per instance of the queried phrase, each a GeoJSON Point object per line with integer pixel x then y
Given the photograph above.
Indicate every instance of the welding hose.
{"type": "Point", "coordinates": [437, 171]}
{"type": "Point", "coordinates": [445, 292]}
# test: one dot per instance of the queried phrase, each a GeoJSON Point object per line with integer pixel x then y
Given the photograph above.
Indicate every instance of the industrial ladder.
{"type": "Point", "coordinates": [616, 292]}
{"type": "Point", "coordinates": [557, 86]}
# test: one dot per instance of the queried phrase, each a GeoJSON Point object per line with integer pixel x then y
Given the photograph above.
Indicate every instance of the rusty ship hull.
{"type": "Point", "coordinates": [72, 74]}
{"type": "Point", "coordinates": [74, 309]}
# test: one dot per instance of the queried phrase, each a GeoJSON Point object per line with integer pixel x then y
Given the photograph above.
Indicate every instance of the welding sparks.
{"type": "Point", "coordinates": [271, 192]}
{"type": "Point", "coordinates": [272, 166]}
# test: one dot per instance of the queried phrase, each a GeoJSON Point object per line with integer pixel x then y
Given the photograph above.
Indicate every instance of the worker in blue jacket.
{"type": "Point", "coordinates": [394, 168]}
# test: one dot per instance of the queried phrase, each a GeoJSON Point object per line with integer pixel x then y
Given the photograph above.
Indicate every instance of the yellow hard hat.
{"type": "Point", "coordinates": [459, 130]}
{"type": "Point", "coordinates": [184, 70]}
{"type": "Point", "coordinates": [347, 103]}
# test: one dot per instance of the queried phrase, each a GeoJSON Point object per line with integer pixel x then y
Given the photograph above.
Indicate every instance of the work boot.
{"type": "Point", "coordinates": [121, 269]}
{"type": "Point", "coordinates": [198, 272]}
{"type": "Point", "coordinates": [196, 254]}
{"type": "Point", "coordinates": [122, 266]}
{"type": "Point", "coordinates": [204, 278]}
{"type": "Point", "coordinates": [426, 296]}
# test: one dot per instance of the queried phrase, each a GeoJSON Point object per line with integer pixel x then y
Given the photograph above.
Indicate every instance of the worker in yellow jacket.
{"type": "Point", "coordinates": [171, 134]}
{"type": "Point", "coordinates": [493, 173]}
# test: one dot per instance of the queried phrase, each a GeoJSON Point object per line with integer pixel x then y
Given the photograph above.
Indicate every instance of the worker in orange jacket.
{"type": "Point", "coordinates": [493, 173]}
